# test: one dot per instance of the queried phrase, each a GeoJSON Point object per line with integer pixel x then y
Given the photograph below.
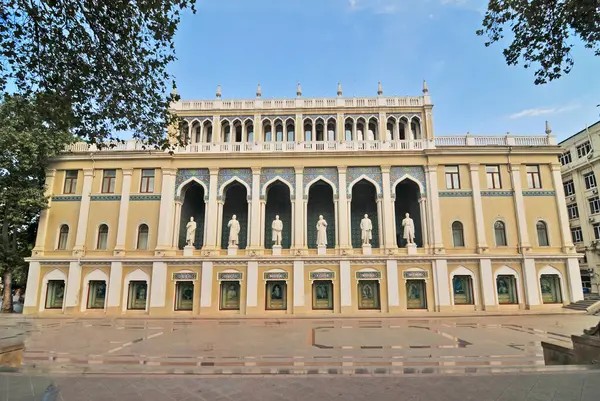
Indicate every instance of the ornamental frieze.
{"type": "Point", "coordinates": [415, 173]}
{"type": "Point", "coordinates": [373, 173]}
{"type": "Point", "coordinates": [242, 174]}
{"type": "Point", "coordinates": [329, 173]}
{"type": "Point", "coordinates": [197, 174]}
{"type": "Point", "coordinates": [285, 174]}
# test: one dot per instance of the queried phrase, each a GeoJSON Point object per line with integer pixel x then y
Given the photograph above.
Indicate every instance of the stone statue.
{"type": "Point", "coordinates": [234, 231]}
{"type": "Point", "coordinates": [321, 232]}
{"type": "Point", "coordinates": [276, 228]}
{"type": "Point", "coordinates": [409, 229]}
{"type": "Point", "coordinates": [366, 228]}
{"type": "Point", "coordinates": [190, 234]}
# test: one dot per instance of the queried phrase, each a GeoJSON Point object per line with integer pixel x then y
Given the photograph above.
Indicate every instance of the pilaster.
{"type": "Point", "coordinates": [531, 284]}
{"type": "Point", "coordinates": [210, 242]}
{"type": "Point", "coordinates": [343, 228]}
{"type": "Point", "coordinates": [434, 200]}
{"type": "Point", "coordinates": [574, 280]}
{"type": "Point", "coordinates": [388, 219]}
{"type": "Point", "coordinates": [256, 217]}
{"type": "Point", "coordinates": [299, 297]}
{"type": "Point", "coordinates": [487, 284]}
{"type": "Point", "coordinates": [114, 286]}
{"type": "Point", "coordinates": [84, 211]}
{"type": "Point", "coordinates": [123, 213]}
{"type": "Point", "coordinates": [206, 283]}
{"type": "Point", "coordinates": [299, 210]}
{"type": "Point", "coordinates": [345, 286]}
{"type": "Point", "coordinates": [482, 246]}
{"type": "Point", "coordinates": [33, 282]}
{"type": "Point", "coordinates": [563, 218]}
{"type": "Point", "coordinates": [73, 289]}
{"type": "Point", "coordinates": [524, 244]}
{"type": "Point", "coordinates": [441, 285]}
{"type": "Point", "coordinates": [252, 285]}
{"type": "Point", "coordinates": [158, 290]}
{"type": "Point", "coordinates": [40, 242]}
{"type": "Point", "coordinates": [167, 203]}
{"type": "Point", "coordinates": [392, 284]}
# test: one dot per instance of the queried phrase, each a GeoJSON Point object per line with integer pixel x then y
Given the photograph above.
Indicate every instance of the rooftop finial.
{"type": "Point", "coordinates": [379, 89]}
{"type": "Point", "coordinates": [258, 92]}
{"type": "Point", "coordinates": [425, 89]}
{"type": "Point", "coordinates": [299, 90]}
{"type": "Point", "coordinates": [339, 91]}
{"type": "Point", "coordinates": [174, 91]}
{"type": "Point", "coordinates": [218, 91]}
{"type": "Point", "coordinates": [548, 129]}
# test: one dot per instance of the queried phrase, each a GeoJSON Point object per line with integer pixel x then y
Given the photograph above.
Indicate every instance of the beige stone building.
{"type": "Point", "coordinates": [580, 166]}
{"type": "Point", "coordinates": [461, 223]}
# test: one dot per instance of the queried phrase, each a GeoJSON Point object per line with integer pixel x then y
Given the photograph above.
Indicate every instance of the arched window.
{"type": "Point", "coordinates": [500, 233]}
{"type": "Point", "coordinates": [142, 239]}
{"type": "Point", "coordinates": [458, 236]}
{"type": "Point", "coordinates": [102, 237]}
{"type": "Point", "coordinates": [542, 233]}
{"type": "Point", "coordinates": [63, 237]}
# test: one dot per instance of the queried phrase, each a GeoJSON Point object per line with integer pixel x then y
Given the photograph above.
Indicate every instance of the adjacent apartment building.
{"type": "Point", "coordinates": [580, 170]}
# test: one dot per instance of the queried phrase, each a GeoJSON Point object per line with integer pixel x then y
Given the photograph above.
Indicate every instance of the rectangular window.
{"type": "Point", "coordinates": [138, 292]}
{"type": "Point", "coordinates": [462, 287]}
{"type": "Point", "coordinates": [507, 290]}
{"type": "Point", "coordinates": [452, 177]}
{"type": "Point", "coordinates": [569, 187]}
{"type": "Point", "coordinates": [147, 185]}
{"type": "Point", "coordinates": [415, 294]}
{"type": "Point", "coordinates": [230, 295]}
{"type": "Point", "coordinates": [323, 294]}
{"type": "Point", "coordinates": [577, 235]}
{"type": "Point", "coordinates": [590, 180]}
{"type": "Point", "coordinates": [584, 149]}
{"type": "Point", "coordinates": [184, 291]}
{"type": "Point", "coordinates": [55, 294]}
{"type": "Point", "coordinates": [493, 177]}
{"type": "Point", "coordinates": [108, 181]}
{"type": "Point", "coordinates": [533, 177]}
{"type": "Point", "coordinates": [96, 295]}
{"type": "Point", "coordinates": [594, 205]}
{"type": "Point", "coordinates": [573, 211]}
{"type": "Point", "coordinates": [70, 182]}
{"type": "Point", "coordinates": [565, 158]}
{"type": "Point", "coordinates": [368, 294]}
{"type": "Point", "coordinates": [596, 230]}
{"type": "Point", "coordinates": [276, 295]}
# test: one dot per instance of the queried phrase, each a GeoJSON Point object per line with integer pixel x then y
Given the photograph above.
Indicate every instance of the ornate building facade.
{"type": "Point", "coordinates": [487, 216]}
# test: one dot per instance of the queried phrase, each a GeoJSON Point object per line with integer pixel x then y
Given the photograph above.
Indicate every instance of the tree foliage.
{"type": "Point", "coordinates": [28, 143]}
{"type": "Point", "coordinates": [96, 67]}
{"type": "Point", "coordinates": [543, 32]}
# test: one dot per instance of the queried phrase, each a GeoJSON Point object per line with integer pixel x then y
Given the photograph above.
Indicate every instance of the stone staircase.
{"type": "Point", "coordinates": [585, 304]}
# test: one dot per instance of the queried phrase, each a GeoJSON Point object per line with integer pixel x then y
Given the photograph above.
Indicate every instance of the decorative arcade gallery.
{"type": "Point", "coordinates": [303, 206]}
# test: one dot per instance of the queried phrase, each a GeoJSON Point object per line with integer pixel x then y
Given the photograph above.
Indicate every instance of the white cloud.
{"type": "Point", "coordinates": [539, 111]}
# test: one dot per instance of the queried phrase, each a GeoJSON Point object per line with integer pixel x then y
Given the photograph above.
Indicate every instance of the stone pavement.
{"type": "Point", "coordinates": [399, 346]}
{"type": "Point", "coordinates": [581, 386]}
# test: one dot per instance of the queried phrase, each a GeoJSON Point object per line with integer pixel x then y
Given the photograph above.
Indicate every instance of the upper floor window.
{"type": "Point", "coordinates": [584, 149]}
{"type": "Point", "coordinates": [147, 184]}
{"type": "Point", "coordinates": [590, 180]}
{"type": "Point", "coordinates": [142, 239]}
{"type": "Point", "coordinates": [596, 231]}
{"type": "Point", "coordinates": [573, 211]}
{"type": "Point", "coordinates": [493, 177]}
{"type": "Point", "coordinates": [542, 233]}
{"type": "Point", "coordinates": [565, 158]}
{"type": "Point", "coordinates": [577, 235]}
{"type": "Point", "coordinates": [594, 205]}
{"type": "Point", "coordinates": [452, 177]}
{"type": "Point", "coordinates": [70, 182]}
{"type": "Point", "coordinates": [500, 233]}
{"type": "Point", "coordinates": [458, 237]}
{"type": "Point", "coordinates": [108, 181]}
{"type": "Point", "coordinates": [569, 187]}
{"type": "Point", "coordinates": [533, 177]}
{"type": "Point", "coordinates": [63, 237]}
{"type": "Point", "coordinates": [102, 237]}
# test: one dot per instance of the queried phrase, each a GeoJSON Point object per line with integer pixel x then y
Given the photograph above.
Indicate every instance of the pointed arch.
{"type": "Point", "coordinates": [136, 275]}
{"type": "Point", "coordinates": [94, 275]}
{"type": "Point", "coordinates": [231, 180]}
{"type": "Point", "coordinates": [54, 275]}
{"type": "Point", "coordinates": [366, 178]}
{"type": "Point", "coordinates": [410, 178]}
{"type": "Point", "coordinates": [189, 180]}
{"type": "Point", "coordinates": [266, 185]}
{"type": "Point", "coordinates": [464, 271]}
{"type": "Point", "coordinates": [509, 271]}
{"type": "Point", "coordinates": [320, 178]}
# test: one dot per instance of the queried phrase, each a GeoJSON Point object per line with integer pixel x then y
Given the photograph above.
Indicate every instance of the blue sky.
{"type": "Point", "coordinates": [278, 43]}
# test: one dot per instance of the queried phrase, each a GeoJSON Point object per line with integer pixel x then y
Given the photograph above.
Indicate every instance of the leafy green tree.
{"type": "Point", "coordinates": [543, 32]}
{"type": "Point", "coordinates": [96, 68]}
{"type": "Point", "coordinates": [28, 142]}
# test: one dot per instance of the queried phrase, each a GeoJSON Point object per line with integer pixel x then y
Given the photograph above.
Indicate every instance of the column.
{"type": "Point", "coordinates": [177, 223]}
{"type": "Point", "coordinates": [299, 297]}
{"type": "Point", "coordinates": [343, 228]}
{"type": "Point", "coordinates": [123, 213]}
{"type": "Point", "coordinates": [210, 240]}
{"type": "Point", "coordinates": [40, 241]}
{"type": "Point", "coordinates": [299, 209]}
{"type": "Point", "coordinates": [435, 207]}
{"type": "Point", "coordinates": [531, 284]}
{"type": "Point", "coordinates": [388, 232]}
{"type": "Point", "coordinates": [263, 211]}
{"type": "Point", "coordinates": [114, 285]}
{"type": "Point", "coordinates": [380, 221]}
{"type": "Point", "coordinates": [345, 286]}
{"type": "Point", "coordinates": [33, 283]}
{"type": "Point", "coordinates": [255, 216]}
{"type": "Point", "coordinates": [567, 242]}
{"type": "Point", "coordinates": [478, 206]}
{"type": "Point", "coordinates": [340, 128]}
{"type": "Point", "coordinates": [441, 285]}
{"type": "Point", "coordinates": [84, 210]}
{"type": "Point", "coordinates": [392, 283]}
{"type": "Point", "coordinates": [252, 284]}
{"type": "Point", "coordinates": [313, 134]}
{"type": "Point", "coordinates": [158, 289]}
{"type": "Point", "coordinates": [574, 280]}
{"type": "Point", "coordinates": [73, 285]}
{"type": "Point", "coordinates": [515, 172]}
{"type": "Point", "coordinates": [220, 205]}
{"type": "Point", "coordinates": [207, 282]}
{"type": "Point", "coordinates": [487, 283]}
{"type": "Point", "coordinates": [424, 222]}
{"type": "Point", "coordinates": [354, 134]}
{"type": "Point", "coordinates": [382, 126]}
{"type": "Point", "coordinates": [167, 203]}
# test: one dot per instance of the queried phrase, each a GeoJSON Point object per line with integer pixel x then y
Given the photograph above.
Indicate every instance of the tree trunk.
{"type": "Point", "coordinates": [7, 305]}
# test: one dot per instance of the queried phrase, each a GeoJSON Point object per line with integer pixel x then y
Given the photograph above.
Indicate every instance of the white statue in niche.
{"type": "Point", "coordinates": [409, 229]}
{"type": "Point", "coordinates": [277, 229]}
{"type": "Point", "coordinates": [321, 231]}
{"type": "Point", "coordinates": [234, 231]}
{"type": "Point", "coordinates": [190, 234]}
{"type": "Point", "coordinates": [366, 228]}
